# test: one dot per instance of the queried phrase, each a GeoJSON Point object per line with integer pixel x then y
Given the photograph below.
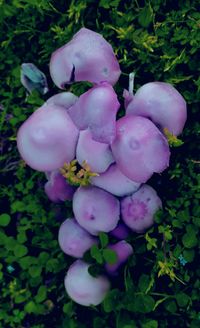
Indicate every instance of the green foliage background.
{"type": "Point", "coordinates": [159, 40]}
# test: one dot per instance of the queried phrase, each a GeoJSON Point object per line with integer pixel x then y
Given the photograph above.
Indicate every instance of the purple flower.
{"type": "Point", "coordinates": [139, 148]}
{"type": "Point", "coordinates": [98, 155]}
{"type": "Point", "coordinates": [73, 239]}
{"type": "Point", "coordinates": [162, 103]}
{"type": "Point", "coordinates": [96, 109]}
{"type": "Point", "coordinates": [82, 287]}
{"type": "Point", "coordinates": [48, 138]}
{"type": "Point", "coordinates": [62, 99]}
{"type": "Point", "coordinates": [87, 57]}
{"type": "Point", "coordinates": [115, 182]}
{"type": "Point", "coordinates": [138, 209]}
{"type": "Point", "coordinates": [58, 189]}
{"type": "Point", "coordinates": [120, 232]}
{"type": "Point", "coordinates": [96, 210]}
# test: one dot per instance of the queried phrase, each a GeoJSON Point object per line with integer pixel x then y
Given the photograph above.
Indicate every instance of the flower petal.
{"type": "Point", "coordinates": [87, 57]}
{"type": "Point", "coordinates": [162, 103]}
{"type": "Point", "coordinates": [96, 109]}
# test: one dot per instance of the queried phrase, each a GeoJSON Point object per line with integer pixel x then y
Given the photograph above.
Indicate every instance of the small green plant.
{"type": "Point", "coordinates": [151, 242]}
{"type": "Point", "coordinates": [172, 139]}
{"type": "Point", "coordinates": [167, 268]}
{"type": "Point", "coordinates": [103, 254]}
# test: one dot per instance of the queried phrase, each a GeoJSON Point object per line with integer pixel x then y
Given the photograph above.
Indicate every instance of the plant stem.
{"type": "Point", "coordinates": [131, 82]}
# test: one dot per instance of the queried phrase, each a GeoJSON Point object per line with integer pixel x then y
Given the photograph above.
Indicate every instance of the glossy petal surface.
{"type": "Point", "coordinates": [63, 99]}
{"type": "Point", "coordinates": [162, 103]}
{"type": "Point", "coordinates": [139, 148]}
{"type": "Point", "coordinates": [47, 139]}
{"type": "Point", "coordinates": [57, 188]}
{"type": "Point", "coordinates": [95, 209]}
{"type": "Point", "coordinates": [96, 109]}
{"type": "Point", "coordinates": [87, 57]}
{"type": "Point", "coordinates": [115, 182]}
{"type": "Point", "coordinates": [97, 154]}
{"type": "Point", "coordinates": [82, 287]}
{"type": "Point", "coordinates": [138, 209]}
{"type": "Point", "coordinates": [121, 231]}
{"type": "Point", "coordinates": [73, 239]}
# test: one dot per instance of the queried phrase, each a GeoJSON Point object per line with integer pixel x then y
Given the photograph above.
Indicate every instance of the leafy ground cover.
{"type": "Point", "coordinates": [159, 287]}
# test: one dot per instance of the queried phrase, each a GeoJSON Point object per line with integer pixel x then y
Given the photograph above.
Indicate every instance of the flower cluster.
{"type": "Point", "coordinates": [100, 163]}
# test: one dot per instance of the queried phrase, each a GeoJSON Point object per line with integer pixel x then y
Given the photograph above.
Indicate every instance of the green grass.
{"type": "Point", "coordinates": [159, 40]}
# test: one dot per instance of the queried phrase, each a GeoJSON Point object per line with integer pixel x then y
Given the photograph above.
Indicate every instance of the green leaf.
{"type": "Point", "coordinates": [128, 280]}
{"type": "Point", "coordinates": [52, 265]}
{"type": "Point", "coordinates": [171, 306]}
{"type": "Point", "coordinates": [34, 99]}
{"type": "Point", "coordinates": [189, 255]}
{"type": "Point", "coordinates": [145, 16]}
{"type": "Point", "coordinates": [3, 238]}
{"type": "Point", "coordinates": [167, 231]}
{"type": "Point", "coordinates": [30, 307]}
{"type": "Point", "coordinates": [20, 299]}
{"type": "Point", "coordinates": [196, 221]}
{"type": "Point", "coordinates": [103, 239]}
{"type": "Point", "coordinates": [176, 223]}
{"type": "Point", "coordinates": [182, 299]}
{"type": "Point", "coordinates": [142, 304]}
{"type": "Point", "coordinates": [143, 282]}
{"type": "Point", "coordinates": [107, 4]}
{"type": "Point", "coordinates": [20, 250]}
{"type": "Point", "coordinates": [10, 243]}
{"type": "Point", "coordinates": [41, 294]}
{"type": "Point", "coordinates": [4, 219]}
{"type": "Point", "coordinates": [43, 257]}
{"type": "Point", "coordinates": [177, 250]}
{"type": "Point", "coordinates": [96, 254]}
{"type": "Point", "coordinates": [147, 304]}
{"type": "Point", "coordinates": [110, 301]}
{"type": "Point", "coordinates": [18, 206]}
{"type": "Point", "coordinates": [69, 309]}
{"type": "Point", "coordinates": [150, 324]}
{"type": "Point", "coordinates": [21, 237]}
{"type": "Point", "coordinates": [35, 271]}
{"type": "Point", "coordinates": [191, 229]}
{"type": "Point", "coordinates": [189, 239]}
{"type": "Point", "coordinates": [27, 261]}
{"type": "Point", "coordinates": [99, 322]}
{"type": "Point", "coordinates": [110, 256]}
